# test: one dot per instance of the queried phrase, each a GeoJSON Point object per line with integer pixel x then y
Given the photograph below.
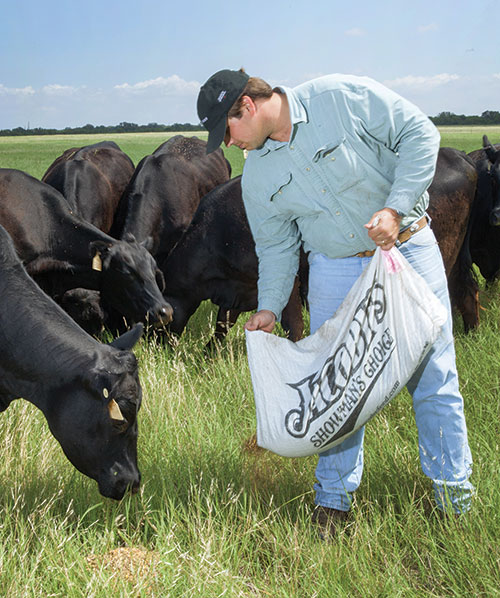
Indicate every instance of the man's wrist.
{"type": "Point", "coordinates": [395, 213]}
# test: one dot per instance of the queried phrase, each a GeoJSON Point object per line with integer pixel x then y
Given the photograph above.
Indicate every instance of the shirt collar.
{"type": "Point", "coordinates": [298, 115]}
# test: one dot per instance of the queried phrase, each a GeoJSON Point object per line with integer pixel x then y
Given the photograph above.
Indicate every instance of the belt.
{"type": "Point", "coordinates": [402, 237]}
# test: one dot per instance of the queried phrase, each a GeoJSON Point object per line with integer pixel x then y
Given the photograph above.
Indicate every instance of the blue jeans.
{"type": "Point", "coordinates": [438, 405]}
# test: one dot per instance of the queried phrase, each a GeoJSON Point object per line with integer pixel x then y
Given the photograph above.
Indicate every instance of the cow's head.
{"type": "Point", "coordinates": [493, 155]}
{"type": "Point", "coordinates": [94, 418]}
{"type": "Point", "coordinates": [131, 281]}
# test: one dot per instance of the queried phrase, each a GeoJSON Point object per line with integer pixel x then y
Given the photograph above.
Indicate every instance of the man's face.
{"type": "Point", "coordinates": [245, 132]}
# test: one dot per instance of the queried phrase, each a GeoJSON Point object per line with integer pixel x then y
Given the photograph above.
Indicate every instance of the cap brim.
{"type": "Point", "coordinates": [217, 134]}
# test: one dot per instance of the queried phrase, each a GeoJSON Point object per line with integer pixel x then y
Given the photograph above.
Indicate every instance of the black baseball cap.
{"type": "Point", "coordinates": [215, 99]}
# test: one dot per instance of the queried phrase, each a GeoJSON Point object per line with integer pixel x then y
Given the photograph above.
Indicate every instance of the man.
{"type": "Point", "coordinates": [342, 164]}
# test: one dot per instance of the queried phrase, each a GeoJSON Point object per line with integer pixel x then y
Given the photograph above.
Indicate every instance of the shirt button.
{"type": "Point", "coordinates": [308, 169]}
{"type": "Point", "coordinates": [352, 235]}
{"type": "Point", "coordinates": [332, 159]}
{"type": "Point", "coordinates": [291, 147]}
{"type": "Point", "coordinates": [337, 213]}
{"type": "Point", "coordinates": [323, 190]}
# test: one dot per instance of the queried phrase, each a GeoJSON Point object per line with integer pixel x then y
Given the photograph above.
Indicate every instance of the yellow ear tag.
{"type": "Point", "coordinates": [97, 262]}
{"type": "Point", "coordinates": [114, 411]}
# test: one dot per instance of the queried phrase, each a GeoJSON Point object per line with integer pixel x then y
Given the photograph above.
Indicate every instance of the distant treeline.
{"type": "Point", "coordinates": [123, 127]}
{"type": "Point", "coordinates": [489, 117]}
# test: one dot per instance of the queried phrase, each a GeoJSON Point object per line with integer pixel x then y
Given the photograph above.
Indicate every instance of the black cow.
{"type": "Point", "coordinates": [61, 251]}
{"type": "Point", "coordinates": [92, 180]}
{"type": "Point", "coordinates": [451, 198]}
{"type": "Point", "coordinates": [88, 392]}
{"type": "Point", "coordinates": [165, 191]}
{"type": "Point", "coordinates": [215, 259]}
{"type": "Point", "coordinates": [485, 225]}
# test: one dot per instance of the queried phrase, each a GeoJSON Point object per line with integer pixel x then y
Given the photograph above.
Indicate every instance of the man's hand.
{"type": "Point", "coordinates": [383, 228]}
{"type": "Point", "coordinates": [261, 320]}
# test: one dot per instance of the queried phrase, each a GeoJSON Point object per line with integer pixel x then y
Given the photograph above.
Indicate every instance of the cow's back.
{"type": "Point", "coordinates": [165, 191]}
{"type": "Point", "coordinates": [92, 179]}
{"type": "Point", "coordinates": [451, 197]}
{"type": "Point", "coordinates": [31, 212]}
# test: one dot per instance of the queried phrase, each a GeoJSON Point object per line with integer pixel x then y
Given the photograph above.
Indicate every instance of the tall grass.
{"type": "Point", "coordinates": [216, 516]}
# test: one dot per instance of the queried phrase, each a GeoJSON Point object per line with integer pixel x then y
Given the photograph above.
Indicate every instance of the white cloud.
{"type": "Point", "coordinates": [496, 75]}
{"type": "Point", "coordinates": [169, 85]}
{"type": "Point", "coordinates": [17, 91]}
{"type": "Point", "coordinates": [355, 32]}
{"type": "Point", "coordinates": [421, 82]}
{"type": "Point", "coordinates": [427, 28]}
{"type": "Point", "coordinates": [59, 90]}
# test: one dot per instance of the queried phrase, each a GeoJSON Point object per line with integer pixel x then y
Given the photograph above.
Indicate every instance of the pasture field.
{"type": "Point", "coordinates": [215, 515]}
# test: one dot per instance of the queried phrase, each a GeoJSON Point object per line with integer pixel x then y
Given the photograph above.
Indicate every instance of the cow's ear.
{"type": "Point", "coordinates": [126, 341]}
{"type": "Point", "coordinates": [100, 247]}
{"type": "Point", "coordinates": [492, 154]}
{"type": "Point", "coordinates": [148, 243]}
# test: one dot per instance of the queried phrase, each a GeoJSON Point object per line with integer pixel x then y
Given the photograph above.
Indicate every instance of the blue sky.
{"type": "Point", "coordinates": [68, 63]}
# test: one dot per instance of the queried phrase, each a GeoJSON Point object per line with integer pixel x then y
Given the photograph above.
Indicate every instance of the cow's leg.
{"type": "Point", "coordinates": [226, 319]}
{"type": "Point", "coordinates": [291, 318]}
{"type": "Point", "coordinates": [464, 294]}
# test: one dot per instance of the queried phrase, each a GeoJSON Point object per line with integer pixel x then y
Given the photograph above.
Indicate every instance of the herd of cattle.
{"type": "Point", "coordinates": [98, 243]}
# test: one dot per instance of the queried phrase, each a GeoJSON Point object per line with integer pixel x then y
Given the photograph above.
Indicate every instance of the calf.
{"type": "Point", "coordinates": [88, 392]}
{"type": "Point", "coordinates": [61, 251]}
{"type": "Point", "coordinates": [165, 191]}
{"type": "Point", "coordinates": [216, 260]}
{"type": "Point", "coordinates": [92, 180]}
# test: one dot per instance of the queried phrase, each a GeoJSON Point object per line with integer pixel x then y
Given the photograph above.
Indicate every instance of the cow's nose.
{"type": "Point", "coordinates": [163, 315]}
{"type": "Point", "coordinates": [134, 487]}
{"type": "Point", "coordinates": [114, 482]}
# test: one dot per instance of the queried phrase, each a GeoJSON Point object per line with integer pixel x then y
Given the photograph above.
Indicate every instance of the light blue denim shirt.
{"type": "Point", "coordinates": [355, 148]}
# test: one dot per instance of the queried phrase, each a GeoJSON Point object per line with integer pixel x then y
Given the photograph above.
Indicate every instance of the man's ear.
{"type": "Point", "coordinates": [248, 105]}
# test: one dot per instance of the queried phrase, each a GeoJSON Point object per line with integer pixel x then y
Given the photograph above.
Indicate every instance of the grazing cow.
{"type": "Point", "coordinates": [215, 259]}
{"type": "Point", "coordinates": [92, 180]}
{"type": "Point", "coordinates": [165, 191]}
{"type": "Point", "coordinates": [88, 392]}
{"type": "Point", "coordinates": [485, 218]}
{"type": "Point", "coordinates": [61, 251]}
{"type": "Point", "coordinates": [451, 198]}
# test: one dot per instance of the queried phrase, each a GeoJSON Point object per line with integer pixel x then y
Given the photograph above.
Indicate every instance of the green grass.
{"type": "Point", "coordinates": [219, 517]}
{"type": "Point", "coordinates": [34, 154]}
{"type": "Point", "coordinates": [468, 139]}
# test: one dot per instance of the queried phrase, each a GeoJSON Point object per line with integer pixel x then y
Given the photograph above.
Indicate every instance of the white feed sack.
{"type": "Point", "coordinates": [313, 394]}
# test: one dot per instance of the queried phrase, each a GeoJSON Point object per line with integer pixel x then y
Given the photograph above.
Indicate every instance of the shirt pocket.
{"type": "Point", "coordinates": [277, 189]}
{"type": "Point", "coordinates": [340, 165]}
{"type": "Point", "coordinates": [287, 198]}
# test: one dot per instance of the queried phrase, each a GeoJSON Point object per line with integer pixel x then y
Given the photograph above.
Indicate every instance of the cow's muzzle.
{"type": "Point", "coordinates": [116, 482]}
{"type": "Point", "coordinates": [160, 317]}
